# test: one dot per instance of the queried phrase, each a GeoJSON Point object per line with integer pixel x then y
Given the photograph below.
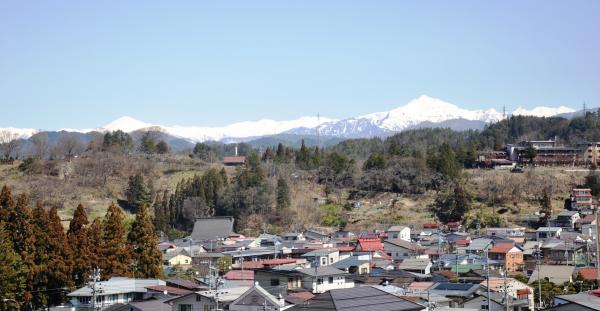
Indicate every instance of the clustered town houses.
{"type": "Point", "coordinates": [430, 267]}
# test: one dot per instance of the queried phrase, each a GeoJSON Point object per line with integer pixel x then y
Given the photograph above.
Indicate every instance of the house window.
{"type": "Point", "coordinates": [185, 307]}
{"type": "Point", "coordinates": [330, 280]}
{"type": "Point", "coordinates": [291, 283]}
{"type": "Point", "coordinates": [330, 260]}
{"type": "Point", "coordinates": [84, 300]}
{"type": "Point", "coordinates": [198, 298]}
{"type": "Point", "coordinates": [323, 261]}
{"type": "Point", "coordinates": [319, 281]}
{"type": "Point", "coordinates": [274, 282]}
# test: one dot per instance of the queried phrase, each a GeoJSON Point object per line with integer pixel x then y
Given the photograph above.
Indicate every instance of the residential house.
{"type": "Point", "coordinates": [369, 245]}
{"type": "Point", "coordinates": [323, 257]}
{"type": "Point", "coordinates": [293, 236]}
{"type": "Point", "coordinates": [279, 280]}
{"type": "Point", "coordinates": [581, 200]}
{"type": "Point", "coordinates": [567, 219]}
{"type": "Point", "coordinates": [324, 278]}
{"type": "Point", "coordinates": [258, 299]}
{"type": "Point", "coordinates": [509, 256]}
{"type": "Point", "coordinates": [117, 290]}
{"type": "Point", "coordinates": [360, 264]}
{"type": "Point", "coordinates": [458, 292]}
{"type": "Point", "coordinates": [234, 161]}
{"type": "Point", "coordinates": [579, 302]}
{"type": "Point", "coordinates": [315, 235]}
{"type": "Point", "coordinates": [145, 305]}
{"type": "Point", "coordinates": [206, 300]}
{"type": "Point", "coordinates": [555, 274]}
{"type": "Point", "coordinates": [399, 232]}
{"type": "Point", "coordinates": [401, 249]}
{"type": "Point", "coordinates": [358, 298]}
{"type": "Point", "coordinates": [520, 295]}
{"type": "Point", "coordinates": [479, 246]}
{"type": "Point", "coordinates": [177, 258]}
{"type": "Point", "coordinates": [543, 233]}
{"type": "Point", "coordinates": [417, 265]}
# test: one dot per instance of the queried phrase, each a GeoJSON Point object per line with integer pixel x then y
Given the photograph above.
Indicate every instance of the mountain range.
{"type": "Point", "coordinates": [421, 112]}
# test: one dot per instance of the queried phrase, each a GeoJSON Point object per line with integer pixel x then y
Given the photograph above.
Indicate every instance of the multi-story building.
{"type": "Point", "coordinates": [581, 200]}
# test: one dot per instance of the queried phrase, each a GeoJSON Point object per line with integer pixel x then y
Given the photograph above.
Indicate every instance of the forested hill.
{"type": "Point", "coordinates": [514, 129]}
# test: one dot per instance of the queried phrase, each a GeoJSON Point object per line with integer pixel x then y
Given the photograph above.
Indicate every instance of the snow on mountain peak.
{"type": "Point", "coordinates": [542, 111]}
{"type": "Point", "coordinates": [126, 124]}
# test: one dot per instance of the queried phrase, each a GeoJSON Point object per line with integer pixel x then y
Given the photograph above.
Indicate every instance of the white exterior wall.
{"type": "Point", "coordinates": [338, 282]}
{"type": "Point", "coordinates": [397, 252]}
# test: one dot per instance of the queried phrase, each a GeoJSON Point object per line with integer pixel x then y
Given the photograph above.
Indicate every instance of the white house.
{"type": "Point", "coordinates": [543, 233]}
{"type": "Point", "coordinates": [323, 257]}
{"type": "Point", "coordinates": [399, 232]}
{"type": "Point", "coordinates": [116, 290]}
{"type": "Point", "coordinates": [324, 278]}
{"type": "Point", "coordinates": [401, 249]}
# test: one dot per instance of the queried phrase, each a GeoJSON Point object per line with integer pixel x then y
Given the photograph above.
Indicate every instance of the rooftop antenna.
{"type": "Point", "coordinates": [504, 112]}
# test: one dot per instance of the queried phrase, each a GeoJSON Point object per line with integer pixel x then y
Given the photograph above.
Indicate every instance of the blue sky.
{"type": "Point", "coordinates": [82, 64]}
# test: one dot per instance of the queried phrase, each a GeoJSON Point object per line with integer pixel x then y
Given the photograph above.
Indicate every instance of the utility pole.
{"type": "Point", "coordinates": [505, 285]}
{"type": "Point", "coordinates": [95, 277]}
{"type": "Point", "coordinates": [316, 275]}
{"type": "Point", "coordinates": [539, 266]}
{"type": "Point", "coordinates": [487, 277]}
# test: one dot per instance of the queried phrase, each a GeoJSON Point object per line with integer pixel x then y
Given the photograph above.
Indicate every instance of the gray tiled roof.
{"type": "Point", "coordinates": [211, 229]}
{"type": "Point", "coordinates": [585, 300]}
{"type": "Point", "coordinates": [322, 270]}
{"type": "Point", "coordinates": [358, 299]}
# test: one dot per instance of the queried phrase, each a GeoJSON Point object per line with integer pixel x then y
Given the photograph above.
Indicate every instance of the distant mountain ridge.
{"type": "Point", "coordinates": [421, 112]}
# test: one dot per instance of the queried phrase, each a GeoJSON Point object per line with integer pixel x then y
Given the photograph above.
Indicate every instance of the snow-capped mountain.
{"type": "Point", "coordinates": [417, 111]}
{"type": "Point", "coordinates": [423, 111]}
{"type": "Point", "coordinates": [542, 111]}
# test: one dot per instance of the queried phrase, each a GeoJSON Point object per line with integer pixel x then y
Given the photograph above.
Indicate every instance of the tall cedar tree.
{"type": "Point", "coordinates": [13, 273]}
{"type": "Point", "coordinates": [94, 232]}
{"type": "Point", "coordinates": [6, 203]}
{"type": "Point", "coordinates": [60, 259]}
{"type": "Point", "coordinates": [283, 194]}
{"type": "Point", "coordinates": [81, 248]}
{"type": "Point", "coordinates": [41, 268]}
{"type": "Point", "coordinates": [20, 231]}
{"type": "Point", "coordinates": [115, 253]}
{"type": "Point", "coordinates": [142, 239]}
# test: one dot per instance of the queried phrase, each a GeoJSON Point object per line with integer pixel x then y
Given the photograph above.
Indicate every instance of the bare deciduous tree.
{"type": "Point", "coordinates": [40, 145]}
{"type": "Point", "coordinates": [69, 145]}
{"type": "Point", "coordinates": [9, 143]}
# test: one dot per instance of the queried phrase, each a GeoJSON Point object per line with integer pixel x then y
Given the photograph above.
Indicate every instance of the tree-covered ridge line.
{"type": "Point", "coordinates": [40, 262]}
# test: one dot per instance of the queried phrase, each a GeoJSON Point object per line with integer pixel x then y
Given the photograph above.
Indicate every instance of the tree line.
{"type": "Point", "coordinates": [40, 262]}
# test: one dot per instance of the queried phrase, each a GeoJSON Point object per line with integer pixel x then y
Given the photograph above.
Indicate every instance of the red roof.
{"type": "Point", "coordinates": [431, 226]}
{"type": "Point", "coordinates": [447, 274]}
{"type": "Point", "coordinates": [589, 273]}
{"type": "Point", "coordinates": [462, 242]}
{"type": "Point", "coordinates": [345, 248]}
{"type": "Point", "coordinates": [454, 224]}
{"type": "Point", "coordinates": [252, 265]}
{"type": "Point", "coordinates": [169, 289]}
{"type": "Point", "coordinates": [596, 292]}
{"type": "Point", "coordinates": [236, 275]}
{"type": "Point", "coordinates": [369, 245]}
{"type": "Point", "coordinates": [501, 248]}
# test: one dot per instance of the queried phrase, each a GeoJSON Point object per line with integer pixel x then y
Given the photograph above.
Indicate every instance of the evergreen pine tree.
{"type": "Point", "coordinates": [283, 194]}
{"type": "Point", "coordinates": [13, 273]}
{"type": "Point", "coordinates": [146, 257]}
{"type": "Point", "coordinates": [81, 248]}
{"type": "Point", "coordinates": [115, 253]}
{"type": "Point", "coordinates": [137, 193]}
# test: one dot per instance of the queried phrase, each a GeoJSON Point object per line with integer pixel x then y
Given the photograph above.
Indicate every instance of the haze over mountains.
{"type": "Point", "coordinates": [423, 111]}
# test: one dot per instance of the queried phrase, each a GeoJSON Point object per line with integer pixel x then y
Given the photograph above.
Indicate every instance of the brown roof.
{"type": "Point", "coordinates": [501, 248]}
{"type": "Point", "coordinates": [238, 160]}
{"type": "Point", "coordinates": [589, 273]}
